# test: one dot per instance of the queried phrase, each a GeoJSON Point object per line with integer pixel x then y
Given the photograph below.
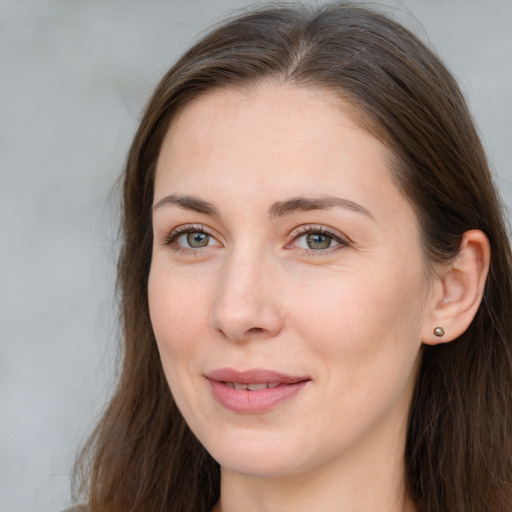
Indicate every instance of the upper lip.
{"type": "Point", "coordinates": [253, 376]}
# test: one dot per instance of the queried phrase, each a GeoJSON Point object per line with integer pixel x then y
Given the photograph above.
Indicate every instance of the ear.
{"type": "Point", "coordinates": [459, 289]}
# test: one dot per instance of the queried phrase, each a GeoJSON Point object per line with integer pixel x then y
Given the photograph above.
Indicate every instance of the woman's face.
{"type": "Point", "coordinates": [287, 291]}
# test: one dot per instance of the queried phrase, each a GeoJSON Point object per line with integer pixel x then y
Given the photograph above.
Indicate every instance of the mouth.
{"type": "Point", "coordinates": [253, 391]}
{"type": "Point", "coordinates": [252, 387]}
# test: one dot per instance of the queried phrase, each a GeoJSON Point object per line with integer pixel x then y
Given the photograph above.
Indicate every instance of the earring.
{"type": "Point", "coordinates": [439, 331]}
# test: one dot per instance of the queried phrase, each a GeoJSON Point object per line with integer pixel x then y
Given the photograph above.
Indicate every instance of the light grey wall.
{"type": "Point", "coordinates": [74, 76]}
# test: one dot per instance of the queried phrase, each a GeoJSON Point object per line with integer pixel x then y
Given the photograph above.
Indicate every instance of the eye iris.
{"type": "Point", "coordinates": [197, 239]}
{"type": "Point", "coordinates": [318, 241]}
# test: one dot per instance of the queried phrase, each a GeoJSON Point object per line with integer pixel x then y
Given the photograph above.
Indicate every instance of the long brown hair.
{"type": "Point", "coordinates": [142, 456]}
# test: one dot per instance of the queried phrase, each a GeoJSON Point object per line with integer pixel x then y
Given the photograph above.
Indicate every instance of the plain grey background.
{"type": "Point", "coordinates": [74, 76]}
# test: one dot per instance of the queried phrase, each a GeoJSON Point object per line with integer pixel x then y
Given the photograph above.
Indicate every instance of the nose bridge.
{"type": "Point", "coordinates": [246, 302]}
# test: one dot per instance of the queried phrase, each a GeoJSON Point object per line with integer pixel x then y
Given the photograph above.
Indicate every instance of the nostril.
{"type": "Point", "coordinates": [240, 322]}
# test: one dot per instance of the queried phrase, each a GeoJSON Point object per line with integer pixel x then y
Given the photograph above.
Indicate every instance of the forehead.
{"type": "Point", "coordinates": [267, 129]}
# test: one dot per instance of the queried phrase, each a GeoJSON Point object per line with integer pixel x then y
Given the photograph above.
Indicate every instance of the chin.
{"type": "Point", "coordinates": [258, 455]}
{"type": "Point", "coordinates": [265, 465]}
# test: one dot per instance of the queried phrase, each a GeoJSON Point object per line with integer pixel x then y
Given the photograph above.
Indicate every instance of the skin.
{"type": "Point", "coordinates": [351, 317]}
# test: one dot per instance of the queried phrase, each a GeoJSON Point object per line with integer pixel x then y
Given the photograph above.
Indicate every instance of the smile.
{"type": "Point", "coordinates": [251, 387]}
{"type": "Point", "coordinates": [253, 391]}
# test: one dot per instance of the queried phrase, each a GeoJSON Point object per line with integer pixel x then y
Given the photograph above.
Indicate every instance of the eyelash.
{"type": "Point", "coordinates": [342, 241]}
{"type": "Point", "coordinates": [172, 238]}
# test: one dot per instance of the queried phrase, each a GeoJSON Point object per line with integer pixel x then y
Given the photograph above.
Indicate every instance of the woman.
{"type": "Point", "coordinates": [316, 265]}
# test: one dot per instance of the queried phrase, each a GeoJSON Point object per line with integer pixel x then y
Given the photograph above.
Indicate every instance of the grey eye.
{"type": "Point", "coordinates": [316, 241]}
{"type": "Point", "coordinates": [197, 239]}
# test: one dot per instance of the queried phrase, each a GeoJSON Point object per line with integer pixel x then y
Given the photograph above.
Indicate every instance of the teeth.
{"type": "Point", "coordinates": [251, 387]}
{"type": "Point", "coordinates": [256, 387]}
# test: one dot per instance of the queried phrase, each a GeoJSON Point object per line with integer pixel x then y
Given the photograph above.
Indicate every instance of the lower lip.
{"type": "Point", "coordinates": [252, 402]}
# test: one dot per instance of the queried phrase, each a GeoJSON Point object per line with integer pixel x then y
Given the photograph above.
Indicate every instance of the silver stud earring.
{"type": "Point", "coordinates": [439, 331]}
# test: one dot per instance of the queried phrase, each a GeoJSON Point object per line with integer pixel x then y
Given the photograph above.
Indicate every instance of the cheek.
{"type": "Point", "coordinates": [364, 327]}
{"type": "Point", "coordinates": [179, 312]}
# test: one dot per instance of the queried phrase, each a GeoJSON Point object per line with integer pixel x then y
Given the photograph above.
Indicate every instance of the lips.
{"type": "Point", "coordinates": [253, 391]}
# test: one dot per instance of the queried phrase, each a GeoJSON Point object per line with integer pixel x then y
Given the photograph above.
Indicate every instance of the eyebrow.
{"type": "Point", "coordinates": [289, 206]}
{"type": "Point", "coordinates": [187, 203]}
{"type": "Point", "coordinates": [278, 209]}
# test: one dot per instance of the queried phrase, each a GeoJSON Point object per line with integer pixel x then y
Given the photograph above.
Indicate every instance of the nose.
{"type": "Point", "coordinates": [247, 303]}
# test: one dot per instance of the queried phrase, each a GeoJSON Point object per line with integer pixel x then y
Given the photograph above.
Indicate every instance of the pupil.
{"type": "Point", "coordinates": [317, 241]}
{"type": "Point", "coordinates": [197, 239]}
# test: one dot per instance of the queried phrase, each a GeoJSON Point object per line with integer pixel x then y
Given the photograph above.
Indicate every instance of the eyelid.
{"type": "Point", "coordinates": [189, 228]}
{"type": "Point", "coordinates": [343, 240]}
